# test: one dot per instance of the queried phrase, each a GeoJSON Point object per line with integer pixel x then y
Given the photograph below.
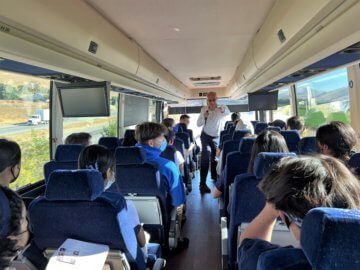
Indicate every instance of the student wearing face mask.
{"type": "Point", "coordinates": [98, 157]}
{"type": "Point", "coordinates": [151, 137]}
{"type": "Point", "coordinates": [10, 162]}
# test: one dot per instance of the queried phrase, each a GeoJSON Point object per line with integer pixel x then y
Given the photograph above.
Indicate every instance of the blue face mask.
{"type": "Point", "coordinates": [163, 145]}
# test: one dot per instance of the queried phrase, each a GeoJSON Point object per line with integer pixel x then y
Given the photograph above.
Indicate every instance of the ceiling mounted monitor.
{"type": "Point", "coordinates": [85, 99]}
{"type": "Point", "coordinates": [263, 101]}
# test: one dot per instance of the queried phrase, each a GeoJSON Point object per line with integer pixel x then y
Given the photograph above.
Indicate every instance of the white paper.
{"type": "Point", "coordinates": [78, 255]}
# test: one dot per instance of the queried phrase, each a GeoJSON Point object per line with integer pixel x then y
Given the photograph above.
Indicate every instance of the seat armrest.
{"type": "Point", "coordinates": [224, 240]}
{"type": "Point", "coordinates": [174, 232]}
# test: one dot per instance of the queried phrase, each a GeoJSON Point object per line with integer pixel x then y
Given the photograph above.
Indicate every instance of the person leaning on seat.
{"type": "Point", "coordinates": [211, 118]}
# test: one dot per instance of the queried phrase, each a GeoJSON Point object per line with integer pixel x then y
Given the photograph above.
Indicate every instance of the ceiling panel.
{"type": "Point", "coordinates": [213, 35]}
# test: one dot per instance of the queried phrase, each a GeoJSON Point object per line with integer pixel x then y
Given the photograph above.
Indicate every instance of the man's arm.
{"type": "Point", "coordinates": [201, 119]}
{"type": "Point", "coordinates": [226, 111]}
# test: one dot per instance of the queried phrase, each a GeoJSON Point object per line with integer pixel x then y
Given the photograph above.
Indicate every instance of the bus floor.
{"type": "Point", "coordinates": [203, 230]}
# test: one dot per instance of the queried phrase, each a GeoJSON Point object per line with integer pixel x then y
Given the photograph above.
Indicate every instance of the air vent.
{"type": "Point", "coordinates": [206, 83]}
{"type": "Point", "coordinates": [281, 36]}
{"type": "Point", "coordinates": [207, 78]}
{"type": "Point", "coordinates": [353, 49]}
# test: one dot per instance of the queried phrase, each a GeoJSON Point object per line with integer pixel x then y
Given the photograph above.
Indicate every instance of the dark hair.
{"type": "Point", "coordinates": [297, 184]}
{"type": "Point", "coordinates": [7, 246]}
{"type": "Point", "coordinates": [97, 157]}
{"type": "Point", "coordinates": [339, 137]}
{"type": "Point", "coordinates": [184, 117]}
{"type": "Point", "coordinates": [267, 141]}
{"type": "Point", "coordinates": [235, 116]}
{"type": "Point", "coordinates": [148, 131]}
{"type": "Point", "coordinates": [295, 123]}
{"type": "Point", "coordinates": [279, 123]}
{"type": "Point", "coordinates": [78, 138]}
{"type": "Point", "coordinates": [168, 122]}
{"type": "Point", "coordinates": [170, 136]}
{"type": "Point", "coordinates": [129, 138]}
{"type": "Point", "coordinates": [10, 154]}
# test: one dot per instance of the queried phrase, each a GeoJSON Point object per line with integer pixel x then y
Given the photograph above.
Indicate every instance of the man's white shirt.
{"type": "Point", "coordinates": [215, 120]}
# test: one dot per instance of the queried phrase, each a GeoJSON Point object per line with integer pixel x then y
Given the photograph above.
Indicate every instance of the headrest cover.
{"type": "Point", "coordinates": [328, 238]}
{"type": "Point", "coordinates": [129, 132]}
{"type": "Point", "coordinates": [68, 152]}
{"type": "Point", "coordinates": [130, 155]}
{"type": "Point", "coordinates": [239, 134]}
{"type": "Point", "coordinates": [110, 142]}
{"type": "Point", "coordinates": [291, 136]}
{"type": "Point", "coordinates": [265, 160]}
{"type": "Point", "coordinates": [66, 185]}
{"type": "Point", "coordinates": [246, 145]}
{"type": "Point", "coordinates": [5, 215]}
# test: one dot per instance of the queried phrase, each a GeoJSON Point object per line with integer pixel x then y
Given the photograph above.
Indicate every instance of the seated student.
{"type": "Point", "coordinates": [243, 124]}
{"type": "Point", "coordinates": [292, 188]}
{"type": "Point", "coordinates": [151, 137]}
{"type": "Point", "coordinates": [169, 123]}
{"type": "Point", "coordinates": [279, 123]}
{"type": "Point", "coordinates": [129, 139]}
{"type": "Point", "coordinates": [14, 231]}
{"type": "Point", "coordinates": [98, 157]}
{"type": "Point", "coordinates": [10, 162]}
{"type": "Point", "coordinates": [336, 139]}
{"type": "Point", "coordinates": [235, 117]}
{"type": "Point", "coordinates": [267, 141]}
{"type": "Point", "coordinates": [83, 138]}
{"type": "Point", "coordinates": [184, 122]}
{"type": "Point", "coordinates": [295, 123]}
{"type": "Point", "coordinates": [179, 160]}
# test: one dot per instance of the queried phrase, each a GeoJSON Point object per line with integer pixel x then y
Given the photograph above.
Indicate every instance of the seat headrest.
{"type": "Point", "coordinates": [239, 134]}
{"type": "Point", "coordinates": [265, 160]}
{"type": "Point", "coordinates": [291, 136]}
{"type": "Point", "coordinates": [354, 162]}
{"type": "Point", "coordinates": [129, 132]}
{"type": "Point", "coordinates": [329, 238]}
{"type": "Point", "coordinates": [130, 155]}
{"type": "Point", "coordinates": [246, 145]}
{"type": "Point", "coordinates": [76, 185]}
{"type": "Point", "coordinates": [307, 145]}
{"type": "Point", "coordinates": [110, 142]}
{"type": "Point", "coordinates": [68, 152]}
{"type": "Point", "coordinates": [278, 129]}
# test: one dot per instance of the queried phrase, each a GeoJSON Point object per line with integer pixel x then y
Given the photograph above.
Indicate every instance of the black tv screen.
{"type": "Point", "coordinates": [84, 99]}
{"type": "Point", "coordinates": [263, 101]}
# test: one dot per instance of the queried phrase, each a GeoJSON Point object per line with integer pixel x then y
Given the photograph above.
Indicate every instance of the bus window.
{"type": "Point", "coordinates": [323, 99]}
{"type": "Point", "coordinates": [284, 108]}
{"type": "Point", "coordinates": [96, 126]}
{"type": "Point", "coordinates": [24, 118]}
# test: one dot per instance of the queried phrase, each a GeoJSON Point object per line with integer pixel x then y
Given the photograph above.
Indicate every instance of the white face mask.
{"type": "Point", "coordinates": [110, 181]}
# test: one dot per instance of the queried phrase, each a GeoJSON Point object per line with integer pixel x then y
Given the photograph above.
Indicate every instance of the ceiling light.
{"type": "Point", "coordinates": [176, 29]}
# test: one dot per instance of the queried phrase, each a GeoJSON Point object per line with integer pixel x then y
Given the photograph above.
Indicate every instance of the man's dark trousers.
{"type": "Point", "coordinates": [206, 141]}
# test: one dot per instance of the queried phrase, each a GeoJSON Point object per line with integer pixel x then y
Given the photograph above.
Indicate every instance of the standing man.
{"type": "Point", "coordinates": [211, 117]}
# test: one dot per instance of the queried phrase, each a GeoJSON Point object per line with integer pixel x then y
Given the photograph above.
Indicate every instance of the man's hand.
{"type": "Point", "coordinates": [206, 114]}
{"type": "Point", "coordinates": [222, 110]}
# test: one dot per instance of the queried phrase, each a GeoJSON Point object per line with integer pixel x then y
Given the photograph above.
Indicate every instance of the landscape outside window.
{"type": "Point", "coordinates": [284, 108]}
{"type": "Point", "coordinates": [24, 118]}
{"type": "Point", "coordinates": [323, 99]}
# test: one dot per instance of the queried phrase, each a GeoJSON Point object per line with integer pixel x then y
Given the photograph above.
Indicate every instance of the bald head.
{"type": "Point", "coordinates": [211, 100]}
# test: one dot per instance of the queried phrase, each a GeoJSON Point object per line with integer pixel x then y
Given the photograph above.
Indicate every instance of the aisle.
{"type": "Point", "coordinates": [203, 229]}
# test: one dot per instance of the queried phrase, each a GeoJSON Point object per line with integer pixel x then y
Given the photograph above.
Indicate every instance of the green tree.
{"type": "Point", "coordinates": [110, 130]}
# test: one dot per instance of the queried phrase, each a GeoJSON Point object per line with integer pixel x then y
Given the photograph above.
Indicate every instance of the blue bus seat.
{"type": "Point", "coordinates": [75, 206]}
{"type": "Point", "coordinates": [292, 138]}
{"type": "Point", "coordinates": [247, 200]}
{"type": "Point", "coordinates": [66, 158]}
{"type": "Point", "coordinates": [307, 145]}
{"type": "Point", "coordinates": [140, 181]}
{"type": "Point", "coordinates": [110, 143]}
{"type": "Point", "coordinates": [354, 163]}
{"type": "Point", "coordinates": [169, 153]}
{"type": "Point", "coordinates": [260, 127]}
{"type": "Point", "coordinates": [288, 258]}
{"type": "Point", "coordinates": [329, 238]}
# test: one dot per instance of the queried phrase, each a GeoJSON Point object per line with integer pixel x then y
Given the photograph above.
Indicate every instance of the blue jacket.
{"type": "Point", "coordinates": [170, 173]}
